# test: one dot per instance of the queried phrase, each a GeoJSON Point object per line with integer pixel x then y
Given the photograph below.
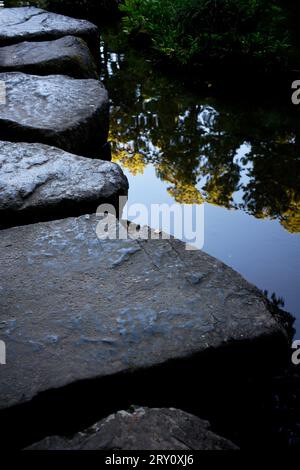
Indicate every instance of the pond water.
{"type": "Point", "coordinates": [241, 160]}
{"type": "Point", "coordinates": [237, 157]}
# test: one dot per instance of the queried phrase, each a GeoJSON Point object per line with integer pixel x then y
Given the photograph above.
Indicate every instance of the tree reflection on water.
{"type": "Point", "coordinates": [195, 143]}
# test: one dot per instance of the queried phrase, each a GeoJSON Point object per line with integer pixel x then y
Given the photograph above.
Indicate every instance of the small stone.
{"type": "Point", "coordinates": [38, 182]}
{"type": "Point", "coordinates": [69, 56]}
{"type": "Point", "coordinates": [143, 429]}
{"type": "Point", "coordinates": [55, 110]}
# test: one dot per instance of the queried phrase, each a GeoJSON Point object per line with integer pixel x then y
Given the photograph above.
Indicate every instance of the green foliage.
{"type": "Point", "coordinates": [97, 11]}
{"type": "Point", "coordinates": [189, 31]}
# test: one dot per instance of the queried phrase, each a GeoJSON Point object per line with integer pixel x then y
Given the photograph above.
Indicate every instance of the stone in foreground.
{"type": "Point", "coordinates": [77, 306]}
{"type": "Point", "coordinates": [143, 429]}
{"type": "Point", "coordinates": [38, 182]}
{"type": "Point", "coordinates": [34, 24]}
{"type": "Point", "coordinates": [68, 56]}
{"type": "Point", "coordinates": [56, 110]}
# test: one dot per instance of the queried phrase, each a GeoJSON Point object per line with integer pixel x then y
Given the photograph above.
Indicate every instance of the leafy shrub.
{"type": "Point", "coordinates": [189, 31]}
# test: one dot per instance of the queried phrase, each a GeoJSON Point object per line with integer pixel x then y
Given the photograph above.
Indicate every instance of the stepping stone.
{"type": "Point", "coordinates": [68, 56]}
{"type": "Point", "coordinates": [56, 110]}
{"type": "Point", "coordinates": [142, 429]}
{"type": "Point", "coordinates": [77, 306]}
{"type": "Point", "coordinates": [38, 182]}
{"type": "Point", "coordinates": [34, 24]}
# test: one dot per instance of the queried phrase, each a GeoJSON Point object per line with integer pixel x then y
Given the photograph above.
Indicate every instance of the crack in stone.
{"type": "Point", "coordinates": [27, 19]}
{"type": "Point", "coordinates": [141, 244]}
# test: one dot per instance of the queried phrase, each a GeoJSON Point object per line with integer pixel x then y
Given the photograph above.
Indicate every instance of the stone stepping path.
{"type": "Point", "coordinates": [56, 110]}
{"type": "Point", "coordinates": [34, 24]}
{"type": "Point", "coordinates": [68, 55]}
{"type": "Point", "coordinates": [38, 182]}
{"type": "Point", "coordinates": [76, 307]}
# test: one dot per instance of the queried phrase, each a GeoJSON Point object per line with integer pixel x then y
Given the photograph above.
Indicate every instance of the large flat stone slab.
{"type": "Point", "coordinates": [38, 182]}
{"type": "Point", "coordinates": [76, 307]}
{"type": "Point", "coordinates": [56, 110]}
{"type": "Point", "coordinates": [142, 429]}
{"type": "Point", "coordinates": [69, 56]}
{"type": "Point", "coordinates": [34, 24]}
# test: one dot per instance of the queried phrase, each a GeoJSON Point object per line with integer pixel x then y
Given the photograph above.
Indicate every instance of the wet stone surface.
{"type": "Point", "coordinates": [55, 110]}
{"type": "Point", "coordinates": [35, 24]}
{"type": "Point", "coordinates": [38, 182]}
{"type": "Point", "coordinates": [100, 307]}
{"type": "Point", "coordinates": [68, 55]}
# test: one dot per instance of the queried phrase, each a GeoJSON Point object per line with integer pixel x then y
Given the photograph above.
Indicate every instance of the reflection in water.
{"type": "Point", "coordinates": [241, 158]}
{"type": "Point", "coordinates": [229, 155]}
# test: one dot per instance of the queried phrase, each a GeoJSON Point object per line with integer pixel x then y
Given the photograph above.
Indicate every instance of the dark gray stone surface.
{"type": "Point", "coordinates": [56, 110]}
{"type": "Point", "coordinates": [143, 429]}
{"type": "Point", "coordinates": [41, 182]}
{"type": "Point", "coordinates": [75, 307]}
{"type": "Point", "coordinates": [68, 56]}
{"type": "Point", "coordinates": [34, 24]}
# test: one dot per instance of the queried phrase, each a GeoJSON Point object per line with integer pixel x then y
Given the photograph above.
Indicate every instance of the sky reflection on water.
{"type": "Point", "coordinates": [242, 160]}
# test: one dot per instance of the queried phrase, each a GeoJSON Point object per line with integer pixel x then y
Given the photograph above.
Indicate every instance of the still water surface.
{"type": "Point", "coordinates": [241, 160]}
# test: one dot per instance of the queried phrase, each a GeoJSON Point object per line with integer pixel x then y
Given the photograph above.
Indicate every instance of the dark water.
{"type": "Point", "coordinates": [241, 160]}
{"type": "Point", "coordinates": [240, 157]}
